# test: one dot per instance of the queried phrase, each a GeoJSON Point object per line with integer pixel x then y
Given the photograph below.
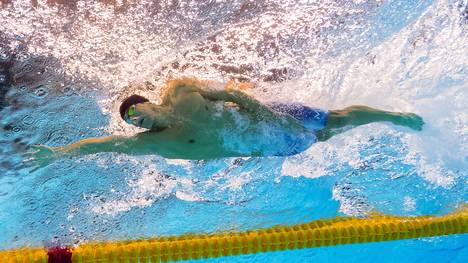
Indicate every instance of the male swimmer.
{"type": "Point", "coordinates": [197, 121]}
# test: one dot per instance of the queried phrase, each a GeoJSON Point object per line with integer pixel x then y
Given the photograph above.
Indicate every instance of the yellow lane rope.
{"type": "Point", "coordinates": [328, 232]}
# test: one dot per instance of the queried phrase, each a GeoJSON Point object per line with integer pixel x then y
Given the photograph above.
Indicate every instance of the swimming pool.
{"type": "Point", "coordinates": [73, 63]}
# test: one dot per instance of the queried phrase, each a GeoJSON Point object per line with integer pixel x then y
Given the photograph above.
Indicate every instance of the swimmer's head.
{"type": "Point", "coordinates": [128, 110]}
{"type": "Point", "coordinates": [137, 110]}
{"type": "Point", "coordinates": [130, 101]}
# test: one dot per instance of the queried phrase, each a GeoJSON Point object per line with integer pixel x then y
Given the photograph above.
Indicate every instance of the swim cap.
{"type": "Point", "coordinates": [132, 100]}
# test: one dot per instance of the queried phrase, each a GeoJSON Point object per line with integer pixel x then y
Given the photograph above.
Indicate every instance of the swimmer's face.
{"type": "Point", "coordinates": [140, 115]}
{"type": "Point", "coordinates": [147, 115]}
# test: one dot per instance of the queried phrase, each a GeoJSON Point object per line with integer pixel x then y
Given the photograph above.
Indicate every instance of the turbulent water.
{"type": "Point", "coordinates": [65, 66]}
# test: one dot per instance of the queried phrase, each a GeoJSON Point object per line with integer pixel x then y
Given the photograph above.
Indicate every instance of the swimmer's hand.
{"type": "Point", "coordinates": [234, 93]}
{"type": "Point", "coordinates": [231, 86]}
{"type": "Point", "coordinates": [413, 121]}
{"type": "Point", "coordinates": [409, 120]}
{"type": "Point", "coordinates": [39, 156]}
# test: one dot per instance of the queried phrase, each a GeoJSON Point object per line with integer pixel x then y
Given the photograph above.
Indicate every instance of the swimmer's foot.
{"type": "Point", "coordinates": [357, 115]}
{"type": "Point", "coordinates": [409, 120]}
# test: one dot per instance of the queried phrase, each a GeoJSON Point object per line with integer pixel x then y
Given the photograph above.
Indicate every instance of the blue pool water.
{"type": "Point", "coordinates": [68, 66]}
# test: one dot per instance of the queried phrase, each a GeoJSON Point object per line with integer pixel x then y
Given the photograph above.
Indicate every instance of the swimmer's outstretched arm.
{"type": "Point", "coordinates": [95, 145]}
{"type": "Point", "coordinates": [139, 144]}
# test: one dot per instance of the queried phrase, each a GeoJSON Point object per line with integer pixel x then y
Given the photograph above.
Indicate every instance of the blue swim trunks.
{"type": "Point", "coordinates": [311, 118]}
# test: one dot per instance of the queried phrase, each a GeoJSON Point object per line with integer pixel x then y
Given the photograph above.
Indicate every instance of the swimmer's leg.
{"type": "Point", "coordinates": [360, 115]}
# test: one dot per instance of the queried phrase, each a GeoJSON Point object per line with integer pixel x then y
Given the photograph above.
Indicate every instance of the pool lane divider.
{"type": "Point", "coordinates": [318, 233]}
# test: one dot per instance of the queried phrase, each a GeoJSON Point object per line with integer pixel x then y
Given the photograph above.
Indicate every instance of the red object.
{"type": "Point", "coordinates": [59, 255]}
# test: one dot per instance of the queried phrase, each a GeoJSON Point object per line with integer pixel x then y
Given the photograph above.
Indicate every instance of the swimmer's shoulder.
{"type": "Point", "coordinates": [189, 84]}
{"type": "Point", "coordinates": [185, 84]}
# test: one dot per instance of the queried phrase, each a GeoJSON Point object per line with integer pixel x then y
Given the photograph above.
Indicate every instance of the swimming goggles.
{"type": "Point", "coordinates": [130, 112]}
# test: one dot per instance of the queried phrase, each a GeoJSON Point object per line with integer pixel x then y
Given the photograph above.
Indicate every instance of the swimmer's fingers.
{"type": "Point", "coordinates": [38, 156]}
{"type": "Point", "coordinates": [243, 86]}
{"type": "Point", "coordinates": [246, 85]}
{"type": "Point", "coordinates": [31, 163]}
{"type": "Point", "coordinates": [230, 86]}
{"type": "Point", "coordinates": [34, 168]}
{"type": "Point", "coordinates": [29, 157]}
{"type": "Point", "coordinates": [30, 152]}
{"type": "Point", "coordinates": [34, 152]}
{"type": "Point", "coordinates": [42, 150]}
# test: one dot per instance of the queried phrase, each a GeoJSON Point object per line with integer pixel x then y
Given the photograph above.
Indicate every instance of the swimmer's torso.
{"type": "Point", "coordinates": [212, 129]}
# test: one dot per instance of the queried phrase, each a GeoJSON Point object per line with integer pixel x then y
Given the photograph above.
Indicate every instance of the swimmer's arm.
{"type": "Point", "coordinates": [213, 91]}
{"type": "Point", "coordinates": [92, 146]}
{"type": "Point", "coordinates": [135, 145]}
{"type": "Point", "coordinates": [247, 102]}
{"type": "Point", "coordinates": [39, 156]}
{"type": "Point", "coordinates": [233, 93]}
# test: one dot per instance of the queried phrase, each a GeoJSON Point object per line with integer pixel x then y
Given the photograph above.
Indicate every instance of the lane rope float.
{"type": "Point", "coordinates": [318, 233]}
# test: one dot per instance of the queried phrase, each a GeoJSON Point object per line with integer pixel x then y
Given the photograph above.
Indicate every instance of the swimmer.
{"type": "Point", "coordinates": [197, 121]}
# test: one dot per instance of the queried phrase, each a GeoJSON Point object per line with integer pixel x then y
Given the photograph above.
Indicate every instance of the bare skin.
{"type": "Point", "coordinates": [186, 125]}
{"type": "Point", "coordinates": [360, 115]}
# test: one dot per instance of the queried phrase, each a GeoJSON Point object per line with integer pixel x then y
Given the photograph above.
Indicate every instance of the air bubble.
{"type": "Point", "coordinates": [22, 56]}
{"type": "Point", "coordinates": [17, 129]}
{"type": "Point", "coordinates": [28, 120]}
{"type": "Point", "coordinates": [27, 68]}
{"type": "Point", "coordinates": [4, 56]}
{"type": "Point", "coordinates": [2, 78]}
{"type": "Point", "coordinates": [41, 92]}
